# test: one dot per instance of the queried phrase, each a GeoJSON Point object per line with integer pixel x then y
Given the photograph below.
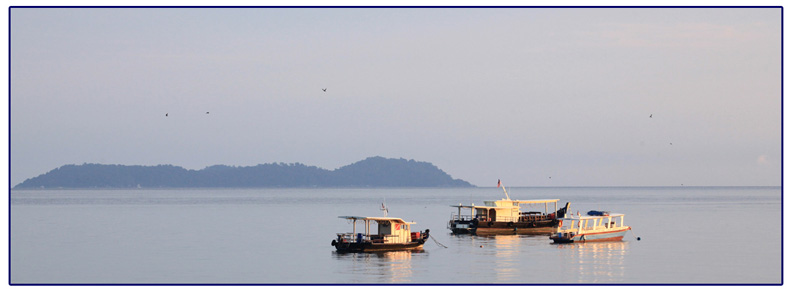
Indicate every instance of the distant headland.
{"type": "Point", "coordinates": [370, 172]}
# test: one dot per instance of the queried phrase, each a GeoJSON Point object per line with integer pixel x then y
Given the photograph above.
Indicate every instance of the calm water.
{"type": "Point", "coordinates": [265, 236]}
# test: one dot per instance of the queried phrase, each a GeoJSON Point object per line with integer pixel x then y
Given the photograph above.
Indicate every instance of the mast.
{"type": "Point", "coordinates": [383, 208]}
{"type": "Point", "coordinates": [504, 189]}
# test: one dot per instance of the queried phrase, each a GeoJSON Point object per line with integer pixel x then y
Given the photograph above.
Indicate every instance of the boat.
{"type": "Point", "coordinates": [505, 216]}
{"type": "Point", "coordinates": [596, 226]}
{"type": "Point", "coordinates": [392, 234]}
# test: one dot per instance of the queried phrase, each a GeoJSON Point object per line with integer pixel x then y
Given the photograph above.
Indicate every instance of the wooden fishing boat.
{"type": "Point", "coordinates": [507, 216]}
{"type": "Point", "coordinates": [392, 234]}
{"type": "Point", "coordinates": [596, 227]}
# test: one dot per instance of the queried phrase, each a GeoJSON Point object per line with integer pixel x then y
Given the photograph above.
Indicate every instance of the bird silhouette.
{"type": "Point", "coordinates": [650, 116]}
{"type": "Point", "coordinates": [207, 112]}
{"type": "Point", "coordinates": [324, 89]}
{"type": "Point", "coordinates": [167, 114]}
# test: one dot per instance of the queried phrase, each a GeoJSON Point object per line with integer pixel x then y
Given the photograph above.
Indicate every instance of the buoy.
{"type": "Point", "coordinates": [633, 234]}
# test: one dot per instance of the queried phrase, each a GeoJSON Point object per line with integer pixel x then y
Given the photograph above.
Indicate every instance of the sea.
{"type": "Point", "coordinates": [688, 235]}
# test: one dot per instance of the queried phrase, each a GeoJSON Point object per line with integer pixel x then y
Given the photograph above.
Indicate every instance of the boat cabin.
{"type": "Point", "coordinates": [506, 210]}
{"type": "Point", "coordinates": [584, 224]}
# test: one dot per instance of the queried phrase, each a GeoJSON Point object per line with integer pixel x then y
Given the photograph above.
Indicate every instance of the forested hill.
{"type": "Point", "coordinates": [371, 172]}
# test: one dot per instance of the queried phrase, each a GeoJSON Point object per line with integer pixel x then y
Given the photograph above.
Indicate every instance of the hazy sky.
{"type": "Point", "coordinates": [531, 96]}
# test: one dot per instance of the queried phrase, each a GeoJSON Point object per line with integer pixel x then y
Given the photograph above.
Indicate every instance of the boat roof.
{"type": "Point", "coordinates": [390, 219]}
{"type": "Point", "coordinates": [484, 207]}
{"type": "Point", "coordinates": [534, 201]}
{"type": "Point", "coordinates": [575, 217]}
{"type": "Point", "coordinates": [540, 201]}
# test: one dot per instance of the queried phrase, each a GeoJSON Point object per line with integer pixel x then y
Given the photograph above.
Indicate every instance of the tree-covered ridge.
{"type": "Point", "coordinates": [371, 172]}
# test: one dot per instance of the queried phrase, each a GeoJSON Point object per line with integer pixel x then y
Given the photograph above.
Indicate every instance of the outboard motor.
{"type": "Point", "coordinates": [562, 212]}
{"type": "Point", "coordinates": [426, 234]}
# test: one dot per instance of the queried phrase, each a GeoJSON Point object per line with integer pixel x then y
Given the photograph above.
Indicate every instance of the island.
{"type": "Point", "coordinates": [370, 172]}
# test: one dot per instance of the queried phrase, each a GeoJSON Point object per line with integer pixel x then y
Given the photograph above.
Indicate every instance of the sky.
{"type": "Point", "coordinates": [530, 96]}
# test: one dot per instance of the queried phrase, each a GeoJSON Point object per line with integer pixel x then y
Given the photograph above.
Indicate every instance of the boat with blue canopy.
{"type": "Point", "coordinates": [597, 226]}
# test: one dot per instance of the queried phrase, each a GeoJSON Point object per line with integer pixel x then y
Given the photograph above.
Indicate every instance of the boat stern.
{"type": "Point", "coordinates": [562, 238]}
{"type": "Point", "coordinates": [461, 227]}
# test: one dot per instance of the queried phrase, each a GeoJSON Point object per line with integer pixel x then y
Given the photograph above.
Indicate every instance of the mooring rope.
{"type": "Point", "coordinates": [436, 242]}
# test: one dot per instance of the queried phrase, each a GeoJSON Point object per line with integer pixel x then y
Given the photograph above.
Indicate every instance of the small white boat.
{"type": "Point", "coordinates": [601, 226]}
{"type": "Point", "coordinates": [392, 234]}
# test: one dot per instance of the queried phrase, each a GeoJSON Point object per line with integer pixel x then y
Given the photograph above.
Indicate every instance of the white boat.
{"type": "Point", "coordinates": [593, 228]}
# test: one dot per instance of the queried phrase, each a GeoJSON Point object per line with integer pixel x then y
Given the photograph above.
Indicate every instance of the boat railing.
{"type": "Point", "coordinates": [387, 238]}
{"type": "Point", "coordinates": [350, 237]}
{"type": "Point", "coordinates": [354, 238]}
{"type": "Point", "coordinates": [482, 218]}
{"type": "Point", "coordinates": [531, 213]}
{"type": "Point", "coordinates": [455, 217]}
{"type": "Point", "coordinates": [532, 217]}
{"type": "Point", "coordinates": [505, 219]}
{"type": "Point", "coordinates": [394, 239]}
{"type": "Point", "coordinates": [591, 224]}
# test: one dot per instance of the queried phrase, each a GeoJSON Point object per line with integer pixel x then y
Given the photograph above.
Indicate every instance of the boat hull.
{"type": "Point", "coordinates": [377, 247]}
{"type": "Point", "coordinates": [616, 235]}
{"type": "Point", "coordinates": [504, 228]}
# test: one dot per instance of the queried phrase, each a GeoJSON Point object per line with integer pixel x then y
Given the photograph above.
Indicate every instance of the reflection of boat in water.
{"type": "Point", "coordinates": [597, 249]}
{"type": "Point", "coordinates": [601, 226]}
{"type": "Point", "coordinates": [392, 234]}
{"type": "Point", "coordinates": [378, 266]}
{"type": "Point", "coordinates": [396, 255]}
{"type": "Point", "coordinates": [505, 216]}
{"type": "Point", "coordinates": [595, 262]}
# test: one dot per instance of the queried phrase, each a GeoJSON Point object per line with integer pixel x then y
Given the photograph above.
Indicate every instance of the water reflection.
{"type": "Point", "coordinates": [503, 255]}
{"type": "Point", "coordinates": [383, 267]}
{"type": "Point", "coordinates": [506, 247]}
{"type": "Point", "coordinates": [595, 261]}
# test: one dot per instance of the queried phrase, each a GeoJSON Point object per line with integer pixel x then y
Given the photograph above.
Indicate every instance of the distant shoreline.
{"type": "Point", "coordinates": [372, 172]}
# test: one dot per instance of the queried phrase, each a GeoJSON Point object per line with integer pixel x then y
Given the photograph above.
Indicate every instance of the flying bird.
{"type": "Point", "coordinates": [324, 89]}
{"type": "Point", "coordinates": [167, 114]}
{"type": "Point", "coordinates": [207, 112]}
{"type": "Point", "coordinates": [650, 115]}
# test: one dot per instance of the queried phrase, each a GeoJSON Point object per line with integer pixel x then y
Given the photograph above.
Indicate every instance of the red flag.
{"type": "Point", "coordinates": [499, 183]}
{"type": "Point", "coordinates": [396, 227]}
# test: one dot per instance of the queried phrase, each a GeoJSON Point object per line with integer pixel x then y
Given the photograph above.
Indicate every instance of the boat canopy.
{"type": "Point", "coordinates": [535, 201]}
{"type": "Point", "coordinates": [377, 219]}
{"type": "Point", "coordinates": [500, 203]}
{"type": "Point", "coordinates": [486, 207]}
{"type": "Point", "coordinates": [575, 217]}
{"type": "Point", "coordinates": [463, 206]}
